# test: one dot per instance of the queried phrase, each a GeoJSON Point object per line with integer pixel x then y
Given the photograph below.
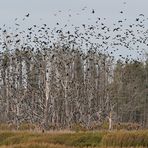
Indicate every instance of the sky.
{"type": "Point", "coordinates": [10, 9]}
{"type": "Point", "coordinates": [53, 11]}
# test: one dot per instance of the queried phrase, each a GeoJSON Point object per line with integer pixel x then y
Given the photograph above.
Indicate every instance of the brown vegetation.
{"type": "Point", "coordinates": [21, 139]}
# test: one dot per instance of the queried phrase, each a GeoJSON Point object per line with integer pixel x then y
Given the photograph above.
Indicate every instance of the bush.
{"type": "Point", "coordinates": [89, 139]}
{"type": "Point", "coordinates": [127, 126]}
{"type": "Point", "coordinates": [78, 127]}
{"type": "Point", "coordinates": [26, 126]}
{"type": "Point", "coordinates": [4, 126]}
{"type": "Point", "coordinates": [105, 125]}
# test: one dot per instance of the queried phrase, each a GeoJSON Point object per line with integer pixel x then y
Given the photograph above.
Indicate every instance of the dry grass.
{"type": "Point", "coordinates": [126, 138]}
{"type": "Point", "coordinates": [65, 139]}
{"type": "Point", "coordinates": [36, 145]}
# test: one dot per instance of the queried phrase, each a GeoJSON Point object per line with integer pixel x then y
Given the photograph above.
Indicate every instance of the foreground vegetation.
{"type": "Point", "coordinates": [23, 139]}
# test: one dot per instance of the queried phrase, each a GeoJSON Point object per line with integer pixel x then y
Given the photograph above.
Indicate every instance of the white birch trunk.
{"type": "Point", "coordinates": [110, 121]}
{"type": "Point", "coordinates": [48, 68]}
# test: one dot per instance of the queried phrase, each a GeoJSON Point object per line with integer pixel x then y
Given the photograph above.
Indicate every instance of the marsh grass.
{"type": "Point", "coordinates": [126, 138]}
{"type": "Point", "coordinates": [20, 139]}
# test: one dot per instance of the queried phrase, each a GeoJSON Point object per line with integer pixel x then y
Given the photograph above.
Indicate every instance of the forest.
{"type": "Point", "coordinates": [73, 74]}
{"type": "Point", "coordinates": [74, 86]}
{"type": "Point", "coordinates": [93, 76]}
{"type": "Point", "coordinates": [63, 85]}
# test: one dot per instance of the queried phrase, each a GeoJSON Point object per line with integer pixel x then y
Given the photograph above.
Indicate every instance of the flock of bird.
{"type": "Point", "coordinates": [98, 37]}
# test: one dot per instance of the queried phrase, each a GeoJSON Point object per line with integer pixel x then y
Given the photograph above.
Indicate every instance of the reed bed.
{"type": "Point", "coordinates": [101, 139]}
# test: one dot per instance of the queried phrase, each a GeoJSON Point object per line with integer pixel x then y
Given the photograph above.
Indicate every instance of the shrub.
{"type": "Point", "coordinates": [127, 126]}
{"type": "Point", "coordinates": [26, 126]}
{"type": "Point", "coordinates": [4, 126]}
{"type": "Point", "coordinates": [78, 127]}
{"type": "Point", "coordinates": [89, 139]}
{"type": "Point", "coordinates": [95, 126]}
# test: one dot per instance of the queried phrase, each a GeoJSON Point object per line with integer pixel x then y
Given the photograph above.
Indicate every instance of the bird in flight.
{"type": "Point", "coordinates": [27, 15]}
{"type": "Point", "coordinates": [93, 11]}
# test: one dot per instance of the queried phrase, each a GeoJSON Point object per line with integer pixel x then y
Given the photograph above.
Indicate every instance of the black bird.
{"type": "Point", "coordinates": [17, 41]}
{"type": "Point", "coordinates": [7, 36]}
{"type": "Point", "coordinates": [27, 15]}
{"type": "Point", "coordinates": [16, 35]}
{"type": "Point", "coordinates": [93, 11]}
{"type": "Point", "coordinates": [141, 14]}
{"type": "Point", "coordinates": [116, 29]}
{"type": "Point", "coordinates": [17, 24]}
{"type": "Point", "coordinates": [83, 25]}
{"type": "Point", "coordinates": [29, 28]}
{"type": "Point", "coordinates": [120, 21]}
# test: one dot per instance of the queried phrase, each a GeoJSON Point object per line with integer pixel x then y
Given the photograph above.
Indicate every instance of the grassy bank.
{"type": "Point", "coordinates": [67, 140]}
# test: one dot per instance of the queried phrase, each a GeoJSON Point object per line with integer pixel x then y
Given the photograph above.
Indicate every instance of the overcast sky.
{"type": "Point", "coordinates": [47, 11]}
{"type": "Point", "coordinates": [10, 9]}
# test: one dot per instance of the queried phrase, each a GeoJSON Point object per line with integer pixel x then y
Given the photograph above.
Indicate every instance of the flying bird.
{"type": "Point", "coordinates": [93, 11]}
{"type": "Point", "coordinates": [27, 15]}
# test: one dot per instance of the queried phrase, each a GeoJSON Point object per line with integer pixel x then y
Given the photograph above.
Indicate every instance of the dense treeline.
{"type": "Point", "coordinates": [67, 75]}
{"type": "Point", "coordinates": [129, 91]}
{"type": "Point", "coordinates": [61, 86]}
{"type": "Point", "coordinates": [55, 86]}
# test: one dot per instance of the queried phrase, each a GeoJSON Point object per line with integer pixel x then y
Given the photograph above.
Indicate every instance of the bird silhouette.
{"type": "Point", "coordinates": [27, 15]}
{"type": "Point", "coordinates": [93, 11]}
